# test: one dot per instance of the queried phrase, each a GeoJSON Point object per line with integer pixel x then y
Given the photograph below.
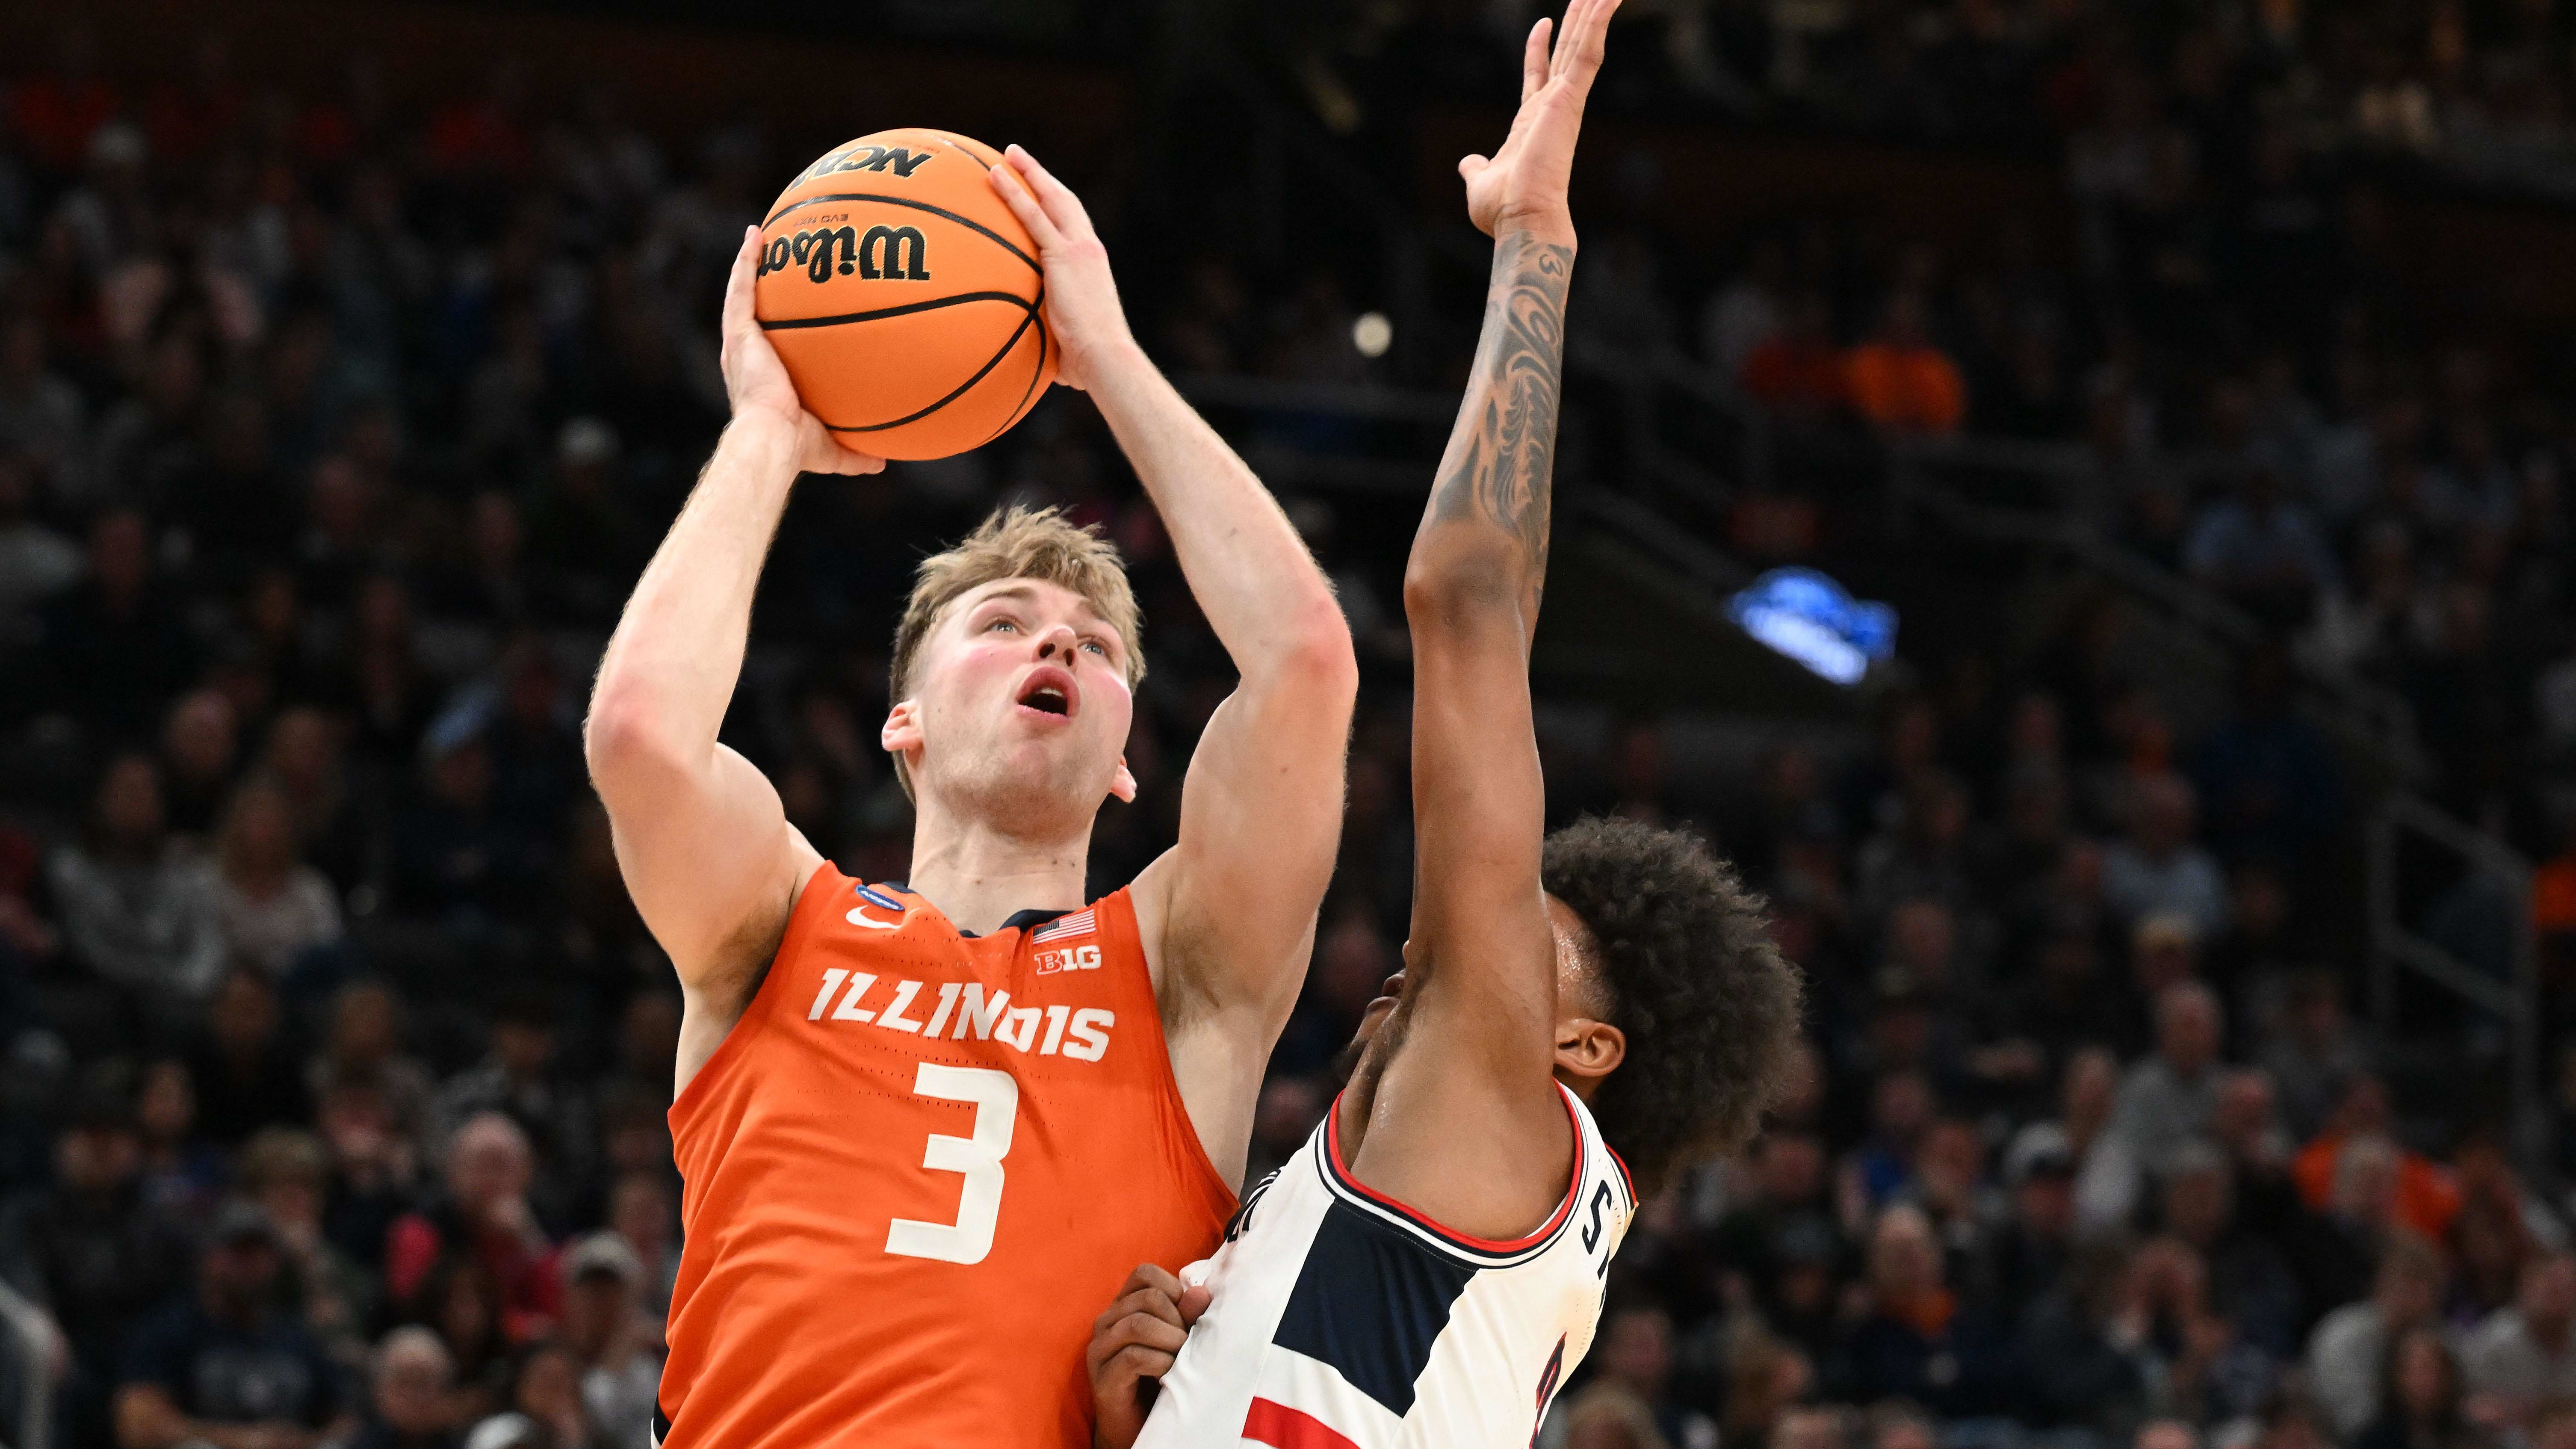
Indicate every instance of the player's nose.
{"type": "Point", "coordinates": [1055, 643]}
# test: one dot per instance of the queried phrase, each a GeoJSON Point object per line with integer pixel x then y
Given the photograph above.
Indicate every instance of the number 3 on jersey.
{"type": "Point", "coordinates": [996, 1098]}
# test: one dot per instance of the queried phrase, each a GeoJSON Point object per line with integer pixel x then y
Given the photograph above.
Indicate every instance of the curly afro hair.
{"type": "Point", "coordinates": [1709, 1006]}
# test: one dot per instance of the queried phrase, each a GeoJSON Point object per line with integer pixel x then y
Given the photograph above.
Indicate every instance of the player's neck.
{"type": "Point", "coordinates": [979, 876]}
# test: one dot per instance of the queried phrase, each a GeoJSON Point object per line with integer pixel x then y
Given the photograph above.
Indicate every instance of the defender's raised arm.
{"type": "Point", "coordinates": [1228, 913]}
{"type": "Point", "coordinates": [1453, 1114]}
{"type": "Point", "coordinates": [704, 845]}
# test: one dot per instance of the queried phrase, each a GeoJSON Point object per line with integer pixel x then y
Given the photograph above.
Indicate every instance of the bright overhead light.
{"type": "Point", "coordinates": [1372, 334]}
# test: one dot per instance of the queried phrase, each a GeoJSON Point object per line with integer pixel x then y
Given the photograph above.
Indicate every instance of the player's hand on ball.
{"type": "Point", "coordinates": [1134, 1342]}
{"type": "Point", "coordinates": [1522, 187]}
{"type": "Point", "coordinates": [1082, 307]}
{"type": "Point", "coordinates": [756, 382]}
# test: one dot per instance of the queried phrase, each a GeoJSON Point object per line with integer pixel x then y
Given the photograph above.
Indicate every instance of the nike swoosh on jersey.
{"type": "Point", "coordinates": [856, 919]}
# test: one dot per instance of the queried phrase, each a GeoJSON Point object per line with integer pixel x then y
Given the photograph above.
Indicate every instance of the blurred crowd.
{"type": "Point", "coordinates": [333, 428]}
{"type": "Point", "coordinates": [2466, 93]}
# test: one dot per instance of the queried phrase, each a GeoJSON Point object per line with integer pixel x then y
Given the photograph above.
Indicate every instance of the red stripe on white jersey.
{"type": "Point", "coordinates": [1282, 1427]}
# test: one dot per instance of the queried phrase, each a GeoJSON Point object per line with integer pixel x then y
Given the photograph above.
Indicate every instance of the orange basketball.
{"type": "Point", "coordinates": [903, 296]}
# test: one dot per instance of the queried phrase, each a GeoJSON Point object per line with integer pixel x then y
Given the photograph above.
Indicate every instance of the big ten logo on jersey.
{"type": "Point", "coordinates": [1071, 958]}
{"type": "Point", "coordinates": [961, 1011]}
{"type": "Point", "coordinates": [881, 253]}
{"type": "Point", "coordinates": [898, 160]}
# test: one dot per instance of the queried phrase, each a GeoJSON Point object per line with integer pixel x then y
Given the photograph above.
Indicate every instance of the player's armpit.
{"type": "Point", "coordinates": [1228, 913]}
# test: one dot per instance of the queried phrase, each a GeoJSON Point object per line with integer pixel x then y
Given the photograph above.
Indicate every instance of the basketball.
{"type": "Point", "coordinates": [902, 296]}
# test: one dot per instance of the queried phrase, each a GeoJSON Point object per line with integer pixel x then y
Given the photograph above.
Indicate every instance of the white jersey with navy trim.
{"type": "Point", "coordinates": [1344, 1320]}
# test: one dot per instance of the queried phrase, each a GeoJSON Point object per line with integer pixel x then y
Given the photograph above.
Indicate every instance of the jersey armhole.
{"type": "Point", "coordinates": [1482, 1248]}
{"type": "Point", "coordinates": [800, 919]}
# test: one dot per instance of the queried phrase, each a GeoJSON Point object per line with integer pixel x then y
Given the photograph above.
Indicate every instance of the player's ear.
{"type": "Point", "coordinates": [1589, 1049]}
{"type": "Point", "coordinates": [1123, 784]}
{"type": "Point", "coordinates": [902, 732]}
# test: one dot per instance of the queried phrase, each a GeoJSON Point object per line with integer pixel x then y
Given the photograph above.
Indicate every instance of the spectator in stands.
{"type": "Point", "coordinates": [285, 1172]}
{"type": "Point", "coordinates": [182, 1172]}
{"type": "Point", "coordinates": [1917, 1341]}
{"type": "Point", "coordinates": [1900, 382]}
{"type": "Point", "coordinates": [484, 1215]}
{"type": "Point", "coordinates": [1796, 370]}
{"type": "Point", "coordinates": [2249, 1280]}
{"type": "Point", "coordinates": [88, 1249]}
{"type": "Point", "coordinates": [2031, 1250]}
{"type": "Point", "coordinates": [246, 1073]}
{"type": "Point", "coordinates": [273, 906]}
{"type": "Point", "coordinates": [224, 1367]}
{"type": "Point", "coordinates": [2085, 1360]}
{"type": "Point", "coordinates": [199, 740]}
{"type": "Point", "coordinates": [2267, 784]}
{"type": "Point", "coordinates": [644, 1212]}
{"type": "Point", "coordinates": [1636, 1347]}
{"type": "Point", "coordinates": [362, 1045]}
{"type": "Point", "coordinates": [374, 1167]}
{"type": "Point", "coordinates": [114, 649]}
{"type": "Point", "coordinates": [453, 853]}
{"type": "Point", "coordinates": [1811, 1426]}
{"type": "Point", "coordinates": [2171, 1097]}
{"type": "Point", "coordinates": [306, 763]}
{"type": "Point", "coordinates": [2524, 1356]}
{"type": "Point", "coordinates": [518, 1078]}
{"type": "Point", "coordinates": [135, 907]}
{"type": "Point", "coordinates": [2419, 1194]}
{"type": "Point", "coordinates": [608, 1335]}
{"type": "Point", "coordinates": [546, 1407]}
{"type": "Point", "coordinates": [2353, 1346]}
{"type": "Point", "coordinates": [35, 561]}
{"type": "Point", "coordinates": [2261, 549]}
{"type": "Point", "coordinates": [410, 1404]}
{"type": "Point", "coordinates": [1949, 1186]}
{"type": "Point", "coordinates": [42, 416]}
{"type": "Point", "coordinates": [1743, 314]}
{"type": "Point", "coordinates": [2420, 1399]}
{"type": "Point", "coordinates": [2156, 867]}
{"type": "Point", "coordinates": [462, 1305]}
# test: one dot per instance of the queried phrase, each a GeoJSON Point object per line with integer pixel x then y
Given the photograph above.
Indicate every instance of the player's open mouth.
{"type": "Point", "coordinates": [1051, 691]}
{"type": "Point", "coordinates": [1391, 989]}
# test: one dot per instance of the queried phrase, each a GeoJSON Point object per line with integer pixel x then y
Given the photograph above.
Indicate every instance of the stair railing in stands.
{"type": "Point", "coordinates": [2512, 999]}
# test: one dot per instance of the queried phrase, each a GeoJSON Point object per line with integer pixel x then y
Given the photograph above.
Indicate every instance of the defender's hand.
{"type": "Point", "coordinates": [1133, 1343]}
{"type": "Point", "coordinates": [1082, 307]}
{"type": "Point", "coordinates": [1523, 187]}
{"type": "Point", "coordinates": [756, 382]}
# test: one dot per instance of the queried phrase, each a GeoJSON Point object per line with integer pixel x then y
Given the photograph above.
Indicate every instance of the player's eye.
{"type": "Point", "coordinates": [1096, 647]}
{"type": "Point", "coordinates": [998, 623]}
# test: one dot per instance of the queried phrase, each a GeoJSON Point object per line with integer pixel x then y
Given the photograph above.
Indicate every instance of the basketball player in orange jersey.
{"type": "Point", "coordinates": [1431, 1267]}
{"type": "Point", "coordinates": [926, 1127]}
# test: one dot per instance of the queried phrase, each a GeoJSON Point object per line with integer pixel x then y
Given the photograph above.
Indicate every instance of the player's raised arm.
{"type": "Point", "coordinates": [1227, 913]}
{"type": "Point", "coordinates": [701, 838]}
{"type": "Point", "coordinates": [1471, 1086]}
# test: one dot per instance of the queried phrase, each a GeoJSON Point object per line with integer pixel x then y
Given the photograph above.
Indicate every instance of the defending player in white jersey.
{"type": "Point", "coordinates": [1431, 1266]}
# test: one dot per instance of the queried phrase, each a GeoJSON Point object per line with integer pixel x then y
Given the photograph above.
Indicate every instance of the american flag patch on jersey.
{"type": "Point", "coordinates": [1078, 924]}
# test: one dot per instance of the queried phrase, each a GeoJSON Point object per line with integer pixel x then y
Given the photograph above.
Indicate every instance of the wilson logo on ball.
{"type": "Point", "coordinates": [882, 253]}
{"type": "Point", "coordinates": [867, 158]}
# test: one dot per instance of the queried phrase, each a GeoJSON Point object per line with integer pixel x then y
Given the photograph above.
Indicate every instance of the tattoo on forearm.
{"type": "Point", "coordinates": [1507, 450]}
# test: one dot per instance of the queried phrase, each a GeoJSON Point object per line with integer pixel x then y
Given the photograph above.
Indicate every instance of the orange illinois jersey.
{"type": "Point", "coordinates": [915, 1171]}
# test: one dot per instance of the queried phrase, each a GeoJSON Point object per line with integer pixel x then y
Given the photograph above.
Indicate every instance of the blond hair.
{"type": "Point", "coordinates": [1018, 543]}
